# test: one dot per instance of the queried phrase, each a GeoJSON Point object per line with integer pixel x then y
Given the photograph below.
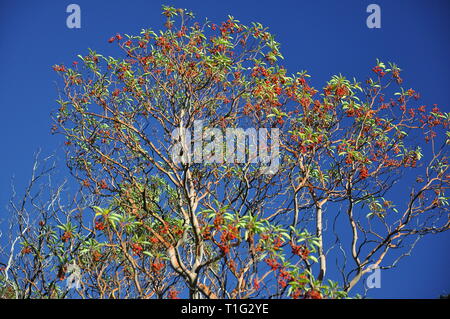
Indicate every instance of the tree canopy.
{"type": "Point", "coordinates": [146, 226]}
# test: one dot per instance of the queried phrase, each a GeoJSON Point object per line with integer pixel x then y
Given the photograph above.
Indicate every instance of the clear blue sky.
{"type": "Point", "coordinates": [323, 37]}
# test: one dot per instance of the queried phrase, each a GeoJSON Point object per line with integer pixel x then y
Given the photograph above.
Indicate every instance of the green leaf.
{"type": "Point", "coordinates": [313, 258]}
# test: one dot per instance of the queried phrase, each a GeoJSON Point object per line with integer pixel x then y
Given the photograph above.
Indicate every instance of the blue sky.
{"type": "Point", "coordinates": [323, 37]}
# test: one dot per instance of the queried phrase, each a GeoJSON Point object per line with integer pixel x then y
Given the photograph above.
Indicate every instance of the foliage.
{"type": "Point", "coordinates": [226, 230]}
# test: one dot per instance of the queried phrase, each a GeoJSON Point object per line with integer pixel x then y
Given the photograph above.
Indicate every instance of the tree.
{"type": "Point", "coordinates": [163, 221]}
